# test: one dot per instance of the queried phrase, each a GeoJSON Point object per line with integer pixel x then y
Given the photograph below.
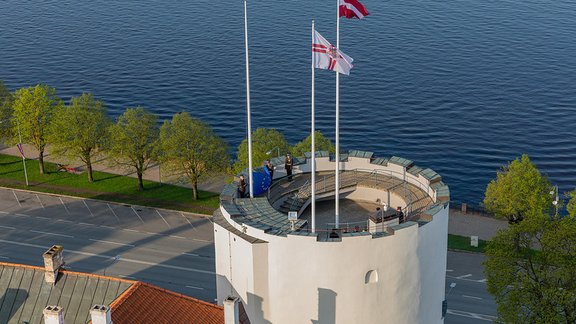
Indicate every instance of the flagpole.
{"type": "Point", "coordinates": [337, 174]}
{"type": "Point", "coordinates": [313, 171]}
{"type": "Point", "coordinates": [21, 149]}
{"type": "Point", "coordinates": [248, 104]}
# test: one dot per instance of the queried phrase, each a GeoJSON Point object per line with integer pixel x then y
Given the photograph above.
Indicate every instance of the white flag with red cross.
{"type": "Point", "coordinates": [328, 57]}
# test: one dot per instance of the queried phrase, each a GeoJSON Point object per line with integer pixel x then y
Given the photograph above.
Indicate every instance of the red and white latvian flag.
{"type": "Point", "coordinates": [327, 57]}
{"type": "Point", "coordinates": [352, 9]}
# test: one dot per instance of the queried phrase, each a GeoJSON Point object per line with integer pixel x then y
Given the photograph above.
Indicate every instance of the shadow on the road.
{"type": "Point", "coordinates": [202, 253]}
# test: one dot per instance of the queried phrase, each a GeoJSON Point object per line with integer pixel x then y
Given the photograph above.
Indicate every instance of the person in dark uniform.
{"type": "Point", "coordinates": [400, 215]}
{"type": "Point", "coordinates": [242, 187]}
{"type": "Point", "coordinates": [288, 164]}
{"type": "Point", "coordinates": [270, 169]}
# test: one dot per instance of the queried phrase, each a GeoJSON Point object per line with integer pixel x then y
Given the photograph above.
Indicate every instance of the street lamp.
{"type": "Point", "coordinates": [19, 147]}
{"type": "Point", "coordinates": [276, 148]}
{"type": "Point", "coordinates": [445, 301]}
{"type": "Point", "coordinates": [556, 201]}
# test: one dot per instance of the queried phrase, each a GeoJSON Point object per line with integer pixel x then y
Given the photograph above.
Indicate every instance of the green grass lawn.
{"type": "Point", "coordinates": [462, 243]}
{"type": "Point", "coordinates": [106, 186]}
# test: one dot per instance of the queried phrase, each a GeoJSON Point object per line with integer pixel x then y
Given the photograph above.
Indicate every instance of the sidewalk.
{"type": "Point", "coordinates": [468, 224]}
{"type": "Point", "coordinates": [213, 184]}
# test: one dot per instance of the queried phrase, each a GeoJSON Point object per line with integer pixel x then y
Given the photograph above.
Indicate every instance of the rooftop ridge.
{"type": "Point", "coordinates": [69, 272]}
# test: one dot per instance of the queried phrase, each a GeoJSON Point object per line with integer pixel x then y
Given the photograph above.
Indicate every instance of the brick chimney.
{"type": "Point", "coordinates": [100, 314]}
{"type": "Point", "coordinates": [231, 311]}
{"type": "Point", "coordinates": [53, 261]}
{"type": "Point", "coordinates": [53, 315]}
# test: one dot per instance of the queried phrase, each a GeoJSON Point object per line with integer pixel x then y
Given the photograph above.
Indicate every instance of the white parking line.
{"type": "Point", "coordinates": [163, 219]}
{"type": "Point", "coordinates": [473, 297]}
{"type": "Point", "coordinates": [18, 200]}
{"type": "Point", "coordinates": [40, 201]}
{"type": "Point", "coordinates": [110, 242]}
{"type": "Point", "coordinates": [3, 212]}
{"type": "Point", "coordinates": [194, 228]}
{"type": "Point", "coordinates": [41, 217]}
{"type": "Point", "coordinates": [63, 204]}
{"type": "Point", "coordinates": [127, 277]}
{"type": "Point", "coordinates": [449, 270]}
{"type": "Point", "coordinates": [48, 233]}
{"type": "Point", "coordinates": [130, 230]}
{"type": "Point", "coordinates": [107, 257]}
{"type": "Point", "coordinates": [85, 204]}
{"type": "Point", "coordinates": [4, 257]}
{"type": "Point", "coordinates": [190, 254]}
{"type": "Point", "coordinates": [483, 317]}
{"type": "Point", "coordinates": [8, 227]}
{"type": "Point", "coordinates": [194, 287]}
{"type": "Point", "coordinates": [135, 212]}
{"type": "Point", "coordinates": [64, 221]}
{"type": "Point", "coordinates": [114, 213]}
{"type": "Point", "coordinates": [464, 276]}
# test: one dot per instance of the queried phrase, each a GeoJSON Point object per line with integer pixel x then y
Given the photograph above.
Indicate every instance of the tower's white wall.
{"type": "Point", "coordinates": [296, 279]}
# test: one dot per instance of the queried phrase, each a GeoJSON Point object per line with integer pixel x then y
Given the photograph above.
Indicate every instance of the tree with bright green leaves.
{"type": "Point", "coordinates": [79, 130]}
{"type": "Point", "coordinates": [322, 144]}
{"type": "Point", "coordinates": [571, 206]}
{"type": "Point", "coordinates": [6, 99]}
{"type": "Point", "coordinates": [191, 149]}
{"type": "Point", "coordinates": [531, 270]}
{"type": "Point", "coordinates": [518, 190]}
{"type": "Point", "coordinates": [34, 108]}
{"type": "Point", "coordinates": [132, 141]}
{"type": "Point", "coordinates": [266, 144]}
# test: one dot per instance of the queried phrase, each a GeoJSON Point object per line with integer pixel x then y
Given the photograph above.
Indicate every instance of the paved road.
{"type": "Point", "coordinates": [170, 249]}
{"type": "Point", "coordinates": [469, 302]}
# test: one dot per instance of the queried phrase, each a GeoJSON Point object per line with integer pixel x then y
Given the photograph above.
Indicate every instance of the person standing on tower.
{"type": "Point", "coordinates": [270, 169]}
{"type": "Point", "coordinates": [288, 164]}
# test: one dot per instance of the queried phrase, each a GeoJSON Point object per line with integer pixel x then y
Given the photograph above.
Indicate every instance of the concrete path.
{"type": "Point", "coordinates": [484, 227]}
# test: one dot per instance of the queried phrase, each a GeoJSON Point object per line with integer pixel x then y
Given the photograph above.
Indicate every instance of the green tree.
{"type": "Point", "coordinates": [518, 190]}
{"type": "Point", "coordinates": [79, 130]}
{"type": "Point", "coordinates": [322, 144]}
{"type": "Point", "coordinates": [6, 99]}
{"type": "Point", "coordinates": [531, 270]}
{"type": "Point", "coordinates": [191, 149]}
{"type": "Point", "coordinates": [571, 206]}
{"type": "Point", "coordinates": [33, 111]}
{"type": "Point", "coordinates": [132, 141]}
{"type": "Point", "coordinates": [264, 141]}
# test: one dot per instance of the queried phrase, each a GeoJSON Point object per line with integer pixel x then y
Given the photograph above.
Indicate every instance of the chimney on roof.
{"type": "Point", "coordinates": [100, 314]}
{"type": "Point", "coordinates": [231, 312]}
{"type": "Point", "coordinates": [53, 261]}
{"type": "Point", "coordinates": [53, 315]}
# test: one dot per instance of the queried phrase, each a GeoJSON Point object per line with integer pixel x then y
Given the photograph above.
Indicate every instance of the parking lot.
{"type": "Point", "coordinates": [171, 249]}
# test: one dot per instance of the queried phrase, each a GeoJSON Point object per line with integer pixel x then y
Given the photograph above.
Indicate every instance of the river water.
{"type": "Point", "coordinates": [459, 86]}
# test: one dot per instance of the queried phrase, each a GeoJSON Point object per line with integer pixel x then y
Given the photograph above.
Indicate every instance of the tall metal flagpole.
{"type": "Point", "coordinates": [313, 153]}
{"type": "Point", "coordinates": [248, 104]}
{"type": "Point", "coordinates": [22, 152]}
{"type": "Point", "coordinates": [337, 175]}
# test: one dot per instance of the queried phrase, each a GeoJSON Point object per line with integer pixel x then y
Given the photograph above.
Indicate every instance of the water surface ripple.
{"type": "Point", "coordinates": [460, 86]}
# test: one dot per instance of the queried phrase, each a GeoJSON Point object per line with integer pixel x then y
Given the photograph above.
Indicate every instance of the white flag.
{"type": "Point", "coordinates": [327, 57]}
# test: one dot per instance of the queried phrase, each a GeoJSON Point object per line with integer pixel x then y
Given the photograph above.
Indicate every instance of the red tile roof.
{"type": "Point", "coordinates": [145, 303]}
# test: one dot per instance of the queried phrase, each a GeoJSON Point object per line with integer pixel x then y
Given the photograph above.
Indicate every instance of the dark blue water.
{"type": "Point", "coordinates": [460, 86]}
